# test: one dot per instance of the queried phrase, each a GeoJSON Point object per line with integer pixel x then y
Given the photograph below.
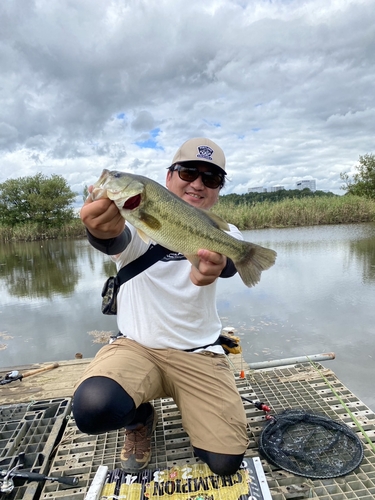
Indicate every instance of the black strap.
{"type": "Point", "coordinates": [217, 342]}
{"type": "Point", "coordinates": [152, 255]}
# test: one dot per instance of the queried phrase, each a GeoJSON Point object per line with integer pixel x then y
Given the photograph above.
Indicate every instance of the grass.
{"type": "Point", "coordinates": [32, 232]}
{"type": "Point", "coordinates": [285, 213]}
{"type": "Point", "coordinates": [351, 414]}
{"type": "Point", "coordinates": [298, 212]}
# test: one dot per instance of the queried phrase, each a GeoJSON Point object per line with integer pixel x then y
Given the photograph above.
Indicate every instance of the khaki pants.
{"type": "Point", "coordinates": [201, 385]}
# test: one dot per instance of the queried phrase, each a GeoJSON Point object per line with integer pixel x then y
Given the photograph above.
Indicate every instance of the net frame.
{"type": "Point", "coordinates": [310, 445]}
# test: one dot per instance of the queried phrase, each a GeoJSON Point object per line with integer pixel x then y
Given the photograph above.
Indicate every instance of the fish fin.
{"type": "Point", "coordinates": [216, 219]}
{"type": "Point", "coordinates": [143, 236]}
{"type": "Point", "coordinates": [256, 260]}
{"type": "Point", "coordinates": [150, 221]}
{"type": "Point", "coordinates": [193, 259]}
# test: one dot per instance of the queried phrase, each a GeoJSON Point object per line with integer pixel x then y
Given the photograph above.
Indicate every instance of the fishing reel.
{"type": "Point", "coordinates": [11, 377]}
{"type": "Point", "coordinates": [260, 406]}
{"type": "Point", "coordinates": [7, 484]}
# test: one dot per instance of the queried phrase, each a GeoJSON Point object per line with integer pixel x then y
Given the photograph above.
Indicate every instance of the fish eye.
{"type": "Point", "coordinates": [116, 174]}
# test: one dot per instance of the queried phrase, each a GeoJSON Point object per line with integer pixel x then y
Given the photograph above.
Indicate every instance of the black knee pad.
{"type": "Point", "coordinates": [100, 404]}
{"type": "Point", "coordinates": [220, 463]}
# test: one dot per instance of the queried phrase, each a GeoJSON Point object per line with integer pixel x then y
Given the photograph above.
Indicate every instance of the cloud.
{"type": "Point", "coordinates": [143, 121]}
{"type": "Point", "coordinates": [285, 88]}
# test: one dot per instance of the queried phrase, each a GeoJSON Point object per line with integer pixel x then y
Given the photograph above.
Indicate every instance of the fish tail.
{"type": "Point", "coordinates": [256, 260]}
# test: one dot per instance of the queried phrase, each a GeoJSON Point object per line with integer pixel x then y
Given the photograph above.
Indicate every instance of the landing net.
{"type": "Point", "coordinates": [310, 445]}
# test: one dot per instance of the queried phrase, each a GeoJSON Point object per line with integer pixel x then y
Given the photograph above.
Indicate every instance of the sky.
{"type": "Point", "coordinates": [285, 87]}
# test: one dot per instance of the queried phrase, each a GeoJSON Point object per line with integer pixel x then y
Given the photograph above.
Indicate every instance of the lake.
{"type": "Point", "coordinates": [319, 297]}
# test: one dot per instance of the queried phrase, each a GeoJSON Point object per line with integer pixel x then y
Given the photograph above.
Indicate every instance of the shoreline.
{"type": "Point", "coordinates": [287, 213]}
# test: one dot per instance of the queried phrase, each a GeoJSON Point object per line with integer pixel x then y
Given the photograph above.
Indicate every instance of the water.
{"type": "Point", "coordinates": [319, 297]}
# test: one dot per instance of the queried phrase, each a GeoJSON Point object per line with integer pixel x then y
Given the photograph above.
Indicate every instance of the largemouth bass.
{"type": "Point", "coordinates": [161, 216]}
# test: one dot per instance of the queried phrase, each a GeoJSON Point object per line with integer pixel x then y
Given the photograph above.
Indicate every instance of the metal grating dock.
{"type": "Point", "coordinates": [32, 430]}
{"type": "Point", "coordinates": [299, 386]}
{"type": "Point", "coordinates": [303, 387]}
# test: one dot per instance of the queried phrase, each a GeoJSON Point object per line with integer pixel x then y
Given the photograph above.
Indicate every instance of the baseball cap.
{"type": "Point", "coordinates": [200, 149]}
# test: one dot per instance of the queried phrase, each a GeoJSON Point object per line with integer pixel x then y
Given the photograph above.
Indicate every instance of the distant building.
{"type": "Point", "coordinates": [311, 184]}
{"type": "Point", "coordinates": [258, 189]}
{"type": "Point", "coordinates": [276, 188]}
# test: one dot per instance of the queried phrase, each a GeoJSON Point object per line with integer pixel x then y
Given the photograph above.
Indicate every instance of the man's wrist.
{"type": "Point", "coordinates": [110, 246]}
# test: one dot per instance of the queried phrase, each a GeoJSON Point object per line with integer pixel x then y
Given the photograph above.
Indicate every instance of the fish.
{"type": "Point", "coordinates": [161, 216]}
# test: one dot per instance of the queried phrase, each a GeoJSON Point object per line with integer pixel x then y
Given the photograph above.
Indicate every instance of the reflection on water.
{"type": "Point", "coordinates": [38, 270]}
{"type": "Point", "coordinates": [364, 252]}
{"type": "Point", "coordinates": [318, 297]}
{"type": "Point", "coordinates": [51, 301]}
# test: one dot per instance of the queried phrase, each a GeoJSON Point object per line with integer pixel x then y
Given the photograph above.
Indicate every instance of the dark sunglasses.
{"type": "Point", "coordinates": [212, 180]}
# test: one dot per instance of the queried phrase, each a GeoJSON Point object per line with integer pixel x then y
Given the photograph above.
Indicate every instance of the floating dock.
{"type": "Point", "coordinates": [36, 419]}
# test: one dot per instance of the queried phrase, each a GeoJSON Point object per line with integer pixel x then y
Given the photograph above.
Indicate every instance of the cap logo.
{"type": "Point", "coordinates": [205, 152]}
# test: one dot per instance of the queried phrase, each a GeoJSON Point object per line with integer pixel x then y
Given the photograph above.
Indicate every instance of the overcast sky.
{"type": "Point", "coordinates": [285, 87]}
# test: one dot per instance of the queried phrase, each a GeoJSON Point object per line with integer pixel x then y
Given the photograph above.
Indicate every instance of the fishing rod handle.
{"type": "Point", "coordinates": [35, 476]}
{"type": "Point", "coordinates": [71, 481]}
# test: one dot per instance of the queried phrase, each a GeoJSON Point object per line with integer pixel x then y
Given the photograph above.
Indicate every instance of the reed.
{"type": "Point", "coordinates": [285, 213]}
{"type": "Point", "coordinates": [298, 212]}
{"type": "Point", "coordinates": [34, 232]}
{"type": "Point", "coordinates": [342, 402]}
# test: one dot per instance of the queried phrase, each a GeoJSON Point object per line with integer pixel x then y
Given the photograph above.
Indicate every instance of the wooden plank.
{"type": "Point", "coordinates": [50, 384]}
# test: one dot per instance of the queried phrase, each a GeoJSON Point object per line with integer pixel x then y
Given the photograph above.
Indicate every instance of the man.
{"type": "Point", "coordinates": [169, 324]}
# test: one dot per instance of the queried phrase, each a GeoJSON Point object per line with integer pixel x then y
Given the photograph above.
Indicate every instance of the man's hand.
{"type": "Point", "coordinates": [210, 267]}
{"type": "Point", "coordinates": [102, 218]}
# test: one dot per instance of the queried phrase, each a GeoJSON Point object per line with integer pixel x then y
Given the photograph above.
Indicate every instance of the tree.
{"type": "Point", "coordinates": [275, 196]}
{"type": "Point", "coordinates": [38, 199]}
{"type": "Point", "coordinates": [363, 183]}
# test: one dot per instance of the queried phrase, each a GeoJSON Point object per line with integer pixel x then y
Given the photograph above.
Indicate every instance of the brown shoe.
{"type": "Point", "coordinates": [136, 452]}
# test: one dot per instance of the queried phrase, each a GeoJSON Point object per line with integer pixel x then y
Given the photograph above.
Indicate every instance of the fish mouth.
{"type": "Point", "coordinates": [132, 202]}
{"type": "Point", "coordinates": [97, 193]}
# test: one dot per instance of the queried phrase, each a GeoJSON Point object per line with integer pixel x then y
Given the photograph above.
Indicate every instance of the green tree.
{"type": "Point", "coordinates": [38, 199]}
{"type": "Point", "coordinates": [275, 196]}
{"type": "Point", "coordinates": [363, 182]}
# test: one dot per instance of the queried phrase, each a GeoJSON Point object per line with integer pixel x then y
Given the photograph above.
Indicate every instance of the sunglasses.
{"type": "Point", "coordinates": [212, 180]}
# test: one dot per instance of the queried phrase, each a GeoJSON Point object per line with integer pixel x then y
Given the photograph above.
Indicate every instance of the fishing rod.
{"type": "Point", "coordinates": [16, 375]}
{"type": "Point", "coordinates": [259, 405]}
{"type": "Point", "coordinates": [7, 483]}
